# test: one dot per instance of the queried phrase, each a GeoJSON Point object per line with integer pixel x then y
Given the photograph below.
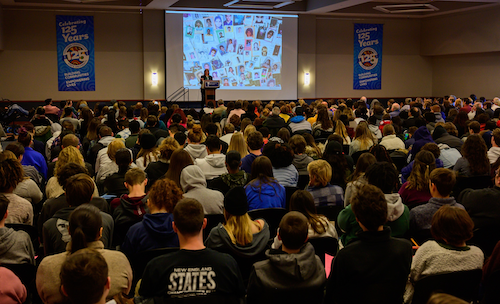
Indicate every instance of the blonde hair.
{"type": "Point", "coordinates": [167, 147]}
{"type": "Point", "coordinates": [364, 136]}
{"type": "Point", "coordinates": [195, 135]}
{"type": "Point", "coordinates": [321, 170]}
{"type": "Point", "coordinates": [114, 146]}
{"type": "Point", "coordinates": [68, 155]}
{"type": "Point", "coordinates": [249, 129]}
{"type": "Point", "coordinates": [238, 143]}
{"type": "Point", "coordinates": [341, 130]}
{"type": "Point", "coordinates": [239, 228]}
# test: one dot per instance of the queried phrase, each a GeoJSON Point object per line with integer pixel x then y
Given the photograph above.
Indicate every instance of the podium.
{"type": "Point", "coordinates": [209, 87]}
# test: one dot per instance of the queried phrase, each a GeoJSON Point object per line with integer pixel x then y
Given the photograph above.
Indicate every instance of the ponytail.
{"type": "Point", "coordinates": [78, 240]}
{"type": "Point", "coordinates": [85, 222]}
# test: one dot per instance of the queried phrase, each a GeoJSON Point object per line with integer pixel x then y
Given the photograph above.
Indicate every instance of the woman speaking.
{"type": "Point", "coordinates": [206, 76]}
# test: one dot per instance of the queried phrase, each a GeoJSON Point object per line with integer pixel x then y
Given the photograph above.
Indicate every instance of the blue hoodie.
{"type": "Point", "coordinates": [265, 196]}
{"type": "Point", "coordinates": [155, 231]}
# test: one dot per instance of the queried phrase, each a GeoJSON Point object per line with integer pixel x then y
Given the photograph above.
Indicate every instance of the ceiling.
{"type": "Point", "coordinates": [335, 8]}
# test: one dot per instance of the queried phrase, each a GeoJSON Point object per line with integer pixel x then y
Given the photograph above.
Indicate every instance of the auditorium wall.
{"type": "Point", "coordinates": [465, 50]}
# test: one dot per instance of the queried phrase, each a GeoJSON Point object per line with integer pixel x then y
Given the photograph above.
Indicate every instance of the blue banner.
{"type": "Point", "coordinates": [368, 56]}
{"type": "Point", "coordinates": [75, 53]}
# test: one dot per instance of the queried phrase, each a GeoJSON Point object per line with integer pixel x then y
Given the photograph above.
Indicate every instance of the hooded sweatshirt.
{"type": "Point", "coordinates": [299, 123]}
{"type": "Point", "coordinates": [261, 195]}
{"type": "Point", "coordinates": [300, 162]}
{"type": "Point", "coordinates": [421, 216]}
{"type": "Point", "coordinates": [227, 181]}
{"type": "Point", "coordinates": [194, 185]}
{"type": "Point", "coordinates": [15, 247]}
{"type": "Point", "coordinates": [422, 136]}
{"type": "Point", "coordinates": [440, 136]}
{"type": "Point", "coordinates": [398, 218]}
{"type": "Point", "coordinates": [375, 131]}
{"type": "Point", "coordinates": [196, 151]}
{"type": "Point", "coordinates": [154, 231]}
{"type": "Point", "coordinates": [214, 165]}
{"type": "Point", "coordinates": [129, 211]}
{"type": "Point", "coordinates": [287, 278]}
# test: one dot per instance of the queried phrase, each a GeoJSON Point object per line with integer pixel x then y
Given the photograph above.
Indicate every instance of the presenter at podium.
{"type": "Point", "coordinates": [206, 76]}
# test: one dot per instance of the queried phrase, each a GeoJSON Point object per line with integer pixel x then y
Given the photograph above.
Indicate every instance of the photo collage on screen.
{"type": "Point", "coordinates": [242, 51]}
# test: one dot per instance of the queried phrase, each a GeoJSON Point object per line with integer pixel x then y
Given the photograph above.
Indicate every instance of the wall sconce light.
{"type": "Point", "coordinates": [307, 78]}
{"type": "Point", "coordinates": [154, 79]}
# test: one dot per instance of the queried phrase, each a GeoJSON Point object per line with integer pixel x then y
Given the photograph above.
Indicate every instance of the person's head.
{"type": "Point", "coordinates": [24, 138]}
{"type": "Point", "coordinates": [370, 207]}
{"type": "Point", "coordinates": [280, 154]}
{"type": "Point", "coordinates": [262, 168]}
{"type": "Point", "coordinates": [476, 152]}
{"type": "Point", "coordinates": [68, 170]}
{"type": "Point", "coordinates": [68, 155]}
{"type": "Point", "coordinates": [424, 163]}
{"type": "Point", "coordinates": [303, 202]}
{"type": "Point", "coordinates": [134, 177]}
{"type": "Point", "coordinates": [189, 217]}
{"type": "Point", "coordinates": [383, 175]}
{"type": "Point", "coordinates": [213, 144]}
{"type": "Point", "coordinates": [388, 130]}
{"type": "Point", "coordinates": [320, 173]}
{"type": "Point", "coordinates": [164, 195]}
{"type": "Point", "coordinates": [114, 146]}
{"type": "Point", "coordinates": [452, 225]}
{"type": "Point", "coordinates": [293, 230]}
{"type": "Point", "coordinates": [298, 144]}
{"type": "Point", "coordinates": [179, 160]}
{"type": "Point", "coordinates": [249, 32]}
{"type": "Point", "coordinates": [70, 140]}
{"type": "Point", "coordinates": [85, 226]}
{"type": "Point", "coordinates": [495, 138]}
{"type": "Point", "coordinates": [474, 127]}
{"type": "Point", "coordinates": [11, 173]}
{"type": "Point", "coordinates": [364, 161]}
{"type": "Point", "coordinates": [255, 141]}
{"type": "Point", "coordinates": [441, 182]}
{"type": "Point", "coordinates": [16, 148]}
{"type": "Point", "coordinates": [284, 134]}
{"type": "Point", "coordinates": [233, 161]}
{"type": "Point", "coordinates": [167, 147]}
{"type": "Point", "coordinates": [68, 112]}
{"type": "Point", "coordinates": [84, 277]}
{"type": "Point", "coordinates": [105, 131]}
{"type": "Point", "coordinates": [195, 135]}
{"type": "Point", "coordinates": [79, 189]}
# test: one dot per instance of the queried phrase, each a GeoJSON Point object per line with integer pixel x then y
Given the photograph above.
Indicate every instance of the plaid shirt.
{"type": "Point", "coordinates": [330, 195]}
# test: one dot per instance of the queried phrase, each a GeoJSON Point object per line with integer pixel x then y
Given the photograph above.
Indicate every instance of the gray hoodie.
{"type": "Point", "coordinates": [214, 165]}
{"type": "Point", "coordinates": [300, 275]}
{"type": "Point", "coordinates": [194, 185]}
{"type": "Point", "coordinates": [196, 151]}
{"type": "Point", "coordinates": [15, 247]}
{"type": "Point", "coordinates": [395, 207]}
{"type": "Point", "coordinates": [300, 162]}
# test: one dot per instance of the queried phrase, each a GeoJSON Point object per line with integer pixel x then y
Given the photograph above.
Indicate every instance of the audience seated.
{"type": "Point", "coordinates": [415, 191]}
{"type": "Point", "coordinates": [451, 227]}
{"type": "Point", "coordinates": [436, 151]}
{"type": "Point", "coordinates": [85, 231]}
{"type": "Point", "coordinates": [440, 136]}
{"type": "Point", "coordinates": [194, 185]}
{"type": "Point", "coordinates": [155, 230]}
{"type": "Point", "coordinates": [375, 268]}
{"type": "Point", "coordinates": [148, 152]}
{"type": "Point", "coordinates": [234, 178]}
{"type": "Point", "coordinates": [213, 165]}
{"type": "Point", "coordinates": [319, 226]}
{"type": "Point", "coordinates": [29, 171]}
{"type": "Point", "coordinates": [422, 136]}
{"type": "Point", "coordinates": [254, 141]}
{"type": "Point", "coordinates": [385, 177]}
{"type": "Point", "coordinates": [114, 183]}
{"type": "Point", "coordinates": [300, 159]}
{"type": "Point", "coordinates": [281, 156]}
{"type": "Point", "coordinates": [219, 278]}
{"type": "Point", "coordinates": [390, 141]}
{"type": "Point", "coordinates": [107, 160]}
{"type": "Point", "coordinates": [52, 205]}
{"type": "Point", "coordinates": [363, 139]}
{"type": "Point", "coordinates": [15, 246]}
{"type": "Point", "coordinates": [441, 184]}
{"type": "Point", "coordinates": [245, 240]}
{"type": "Point", "coordinates": [79, 189]}
{"type": "Point", "coordinates": [194, 146]}
{"type": "Point", "coordinates": [358, 178]}
{"type": "Point", "coordinates": [293, 273]}
{"type": "Point", "coordinates": [298, 123]}
{"type": "Point", "coordinates": [11, 175]}
{"type": "Point", "coordinates": [264, 191]}
{"type": "Point", "coordinates": [341, 164]}
{"type": "Point", "coordinates": [105, 138]}
{"type": "Point", "coordinates": [323, 193]}
{"type": "Point", "coordinates": [474, 161]}
{"type": "Point", "coordinates": [30, 156]}
{"type": "Point", "coordinates": [156, 170]}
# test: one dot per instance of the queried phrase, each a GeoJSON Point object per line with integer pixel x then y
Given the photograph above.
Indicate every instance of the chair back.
{"type": "Point", "coordinates": [271, 215]}
{"type": "Point", "coordinates": [324, 245]}
{"type": "Point", "coordinates": [400, 159]}
{"type": "Point", "coordinates": [303, 182]}
{"type": "Point", "coordinates": [472, 182]}
{"type": "Point", "coordinates": [356, 155]}
{"type": "Point", "coordinates": [289, 191]}
{"type": "Point", "coordinates": [489, 289]}
{"type": "Point", "coordinates": [331, 212]}
{"type": "Point", "coordinates": [461, 284]}
{"type": "Point", "coordinates": [486, 238]}
{"type": "Point", "coordinates": [212, 221]}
